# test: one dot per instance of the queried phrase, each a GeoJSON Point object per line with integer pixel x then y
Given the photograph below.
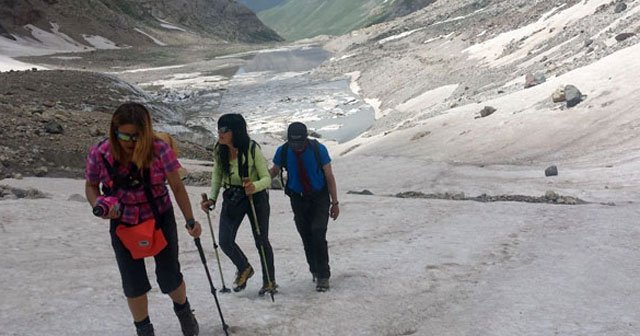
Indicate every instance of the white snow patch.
{"type": "Point", "coordinates": [100, 42]}
{"type": "Point", "coordinates": [150, 69]}
{"type": "Point", "coordinates": [66, 57]}
{"type": "Point", "coordinates": [155, 40]}
{"type": "Point", "coordinates": [427, 99]}
{"type": "Point", "coordinates": [40, 43]}
{"type": "Point", "coordinates": [353, 84]}
{"type": "Point", "coordinates": [332, 127]}
{"type": "Point", "coordinates": [375, 103]}
{"type": "Point", "coordinates": [192, 80]}
{"type": "Point", "coordinates": [7, 63]}
{"type": "Point", "coordinates": [169, 26]}
{"type": "Point", "coordinates": [399, 36]}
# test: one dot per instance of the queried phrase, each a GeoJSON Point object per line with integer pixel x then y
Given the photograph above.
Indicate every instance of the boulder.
{"type": "Point", "coordinates": [551, 171]}
{"type": "Point", "coordinates": [573, 96]}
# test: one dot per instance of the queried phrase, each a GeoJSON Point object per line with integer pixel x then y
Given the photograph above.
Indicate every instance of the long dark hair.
{"type": "Point", "coordinates": [238, 126]}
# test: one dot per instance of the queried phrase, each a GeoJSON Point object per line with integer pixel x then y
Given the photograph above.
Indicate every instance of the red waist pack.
{"type": "Point", "coordinates": [142, 240]}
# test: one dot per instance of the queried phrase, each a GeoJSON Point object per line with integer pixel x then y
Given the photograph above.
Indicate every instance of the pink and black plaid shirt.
{"type": "Point", "coordinates": [136, 207]}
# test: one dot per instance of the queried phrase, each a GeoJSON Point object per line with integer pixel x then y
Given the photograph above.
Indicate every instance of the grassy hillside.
{"type": "Point", "coordinates": [260, 5]}
{"type": "Point", "coordinates": [295, 19]}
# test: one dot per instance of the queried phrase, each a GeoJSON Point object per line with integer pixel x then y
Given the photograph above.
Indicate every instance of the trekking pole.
{"type": "Point", "coordinates": [215, 248]}
{"type": "Point", "coordinates": [213, 288]}
{"type": "Point", "coordinates": [262, 255]}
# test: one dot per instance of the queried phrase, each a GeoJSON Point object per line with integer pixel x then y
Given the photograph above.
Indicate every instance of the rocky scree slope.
{"type": "Point", "coordinates": [476, 51]}
{"type": "Point", "coordinates": [171, 21]}
{"type": "Point", "coordinates": [51, 118]}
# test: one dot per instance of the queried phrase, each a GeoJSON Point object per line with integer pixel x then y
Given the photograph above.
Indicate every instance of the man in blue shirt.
{"type": "Point", "coordinates": [311, 188]}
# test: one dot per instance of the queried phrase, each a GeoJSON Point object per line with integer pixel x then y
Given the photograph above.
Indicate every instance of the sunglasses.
{"type": "Point", "coordinates": [127, 137]}
{"type": "Point", "coordinates": [224, 129]}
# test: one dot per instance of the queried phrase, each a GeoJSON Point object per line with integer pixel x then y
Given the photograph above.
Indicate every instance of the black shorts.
{"type": "Point", "coordinates": [133, 272]}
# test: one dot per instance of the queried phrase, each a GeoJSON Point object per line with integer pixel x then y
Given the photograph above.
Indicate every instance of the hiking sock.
{"type": "Point", "coordinates": [142, 323]}
{"type": "Point", "coordinates": [180, 307]}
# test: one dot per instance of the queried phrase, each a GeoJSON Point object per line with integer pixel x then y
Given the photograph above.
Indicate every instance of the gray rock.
{"type": "Point", "coordinates": [623, 36]}
{"type": "Point", "coordinates": [558, 96]}
{"type": "Point", "coordinates": [620, 7]}
{"type": "Point", "coordinates": [276, 183]}
{"type": "Point", "coordinates": [363, 192]}
{"type": "Point", "coordinates": [551, 171]}
{"type": "Point", "coordinates": [534, 79]}
{"type": "Point", "coordinates": [486, 111]}
{"type": "Point", "coordinates": [551, 195]}
{"type": "Point", "coordinates": [96, 131]}
{"type": "Point", "coordinates": [53, 127]}
{"type": "Point", "coordinates": [572, 95]}
{"type": "Point", "coordinates": [41, 171]}
{"type": "Point", "coordinates": [77, 198]}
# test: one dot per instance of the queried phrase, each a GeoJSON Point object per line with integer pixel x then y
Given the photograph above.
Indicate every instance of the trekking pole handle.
{"type": "Point", "coordinates": [205, 198]}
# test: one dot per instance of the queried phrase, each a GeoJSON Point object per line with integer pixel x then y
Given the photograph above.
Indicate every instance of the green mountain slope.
{"type": "Point", "coordinates": [260, 5]}
{"type": "Point", "coordinates": [295, 19]}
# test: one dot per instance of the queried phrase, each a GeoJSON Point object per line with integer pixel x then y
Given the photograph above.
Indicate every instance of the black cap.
{"type": "Point", "coordinates": [297, 132]}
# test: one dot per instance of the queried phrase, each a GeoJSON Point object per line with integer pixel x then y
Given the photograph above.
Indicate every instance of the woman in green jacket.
{"type": "Point", "coordinates": [241, 169]}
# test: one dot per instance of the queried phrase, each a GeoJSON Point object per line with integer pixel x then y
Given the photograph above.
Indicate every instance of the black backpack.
{"type": "Point", "coordinates": [315, 145]}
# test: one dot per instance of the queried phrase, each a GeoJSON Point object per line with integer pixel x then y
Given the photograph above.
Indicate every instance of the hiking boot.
{"type": "Point", "coordinates": [322, 285]}
{"type": "Point", "coordinates": [146, 330]}
{"type": "Point", "coordinates": [188, 322]}
{"type": "Point", "coordinates": [268, 288]}
{"type": "Point", "coordinates": [241, 279]}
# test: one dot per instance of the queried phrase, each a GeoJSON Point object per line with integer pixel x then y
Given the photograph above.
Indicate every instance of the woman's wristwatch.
{"type": "Point", "coordinates": [191, 223]}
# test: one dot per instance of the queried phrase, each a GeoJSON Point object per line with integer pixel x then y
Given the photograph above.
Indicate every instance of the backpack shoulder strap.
{"type": "Point", "coordinates": [283, 155]}
{"type": "Point", "coordinates": [253, 148]}
{"type": "Point", "coordinates": [283, 164]}
{"type": "Point", "coordinates": [316, 150]}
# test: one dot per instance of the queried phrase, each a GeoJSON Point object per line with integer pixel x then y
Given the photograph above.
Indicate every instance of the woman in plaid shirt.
{"type": "Point", "coordinates": [131, 158]}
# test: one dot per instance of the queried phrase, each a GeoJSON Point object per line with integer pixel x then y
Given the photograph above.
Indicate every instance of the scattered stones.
{"type": "Point", "coordinates": [198, 179]}
{"type": "Point", "coordinates": [7, 192]}
{"type": "Point", "coordinates": [41, 171]}
{"type": "Point", "coordinates": [363, 192]}
{"type": "Point", "coordinates": [534, 79]}
{"type": "Point", "coordinates": [420, 135]}
{"type": "Point", "coordinates": [551, 171]}
{"type": "Point", "coordinates": [550, 197]}
{"type": "Point", "coordinates": [77, 198]}
{"type": "Point", "coordinates": [96, 131]}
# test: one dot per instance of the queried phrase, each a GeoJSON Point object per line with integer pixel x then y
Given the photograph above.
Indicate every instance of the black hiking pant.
{"type": "Point", "coordinates": [133, 272]}
{"type": "Point", "coordinates": [231, 216]}
{"type": "Point", "coordinates": [311, 215]}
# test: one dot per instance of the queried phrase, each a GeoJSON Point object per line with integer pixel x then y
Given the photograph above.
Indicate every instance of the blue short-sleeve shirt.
{"type": "Point", "coordinates": [316, 176]}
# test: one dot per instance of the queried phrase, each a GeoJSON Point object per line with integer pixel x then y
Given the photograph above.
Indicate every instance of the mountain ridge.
{"type": "Point", "coordinates": [296, 19]}
{"type": "Point", "coordinates": [172, 21]}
